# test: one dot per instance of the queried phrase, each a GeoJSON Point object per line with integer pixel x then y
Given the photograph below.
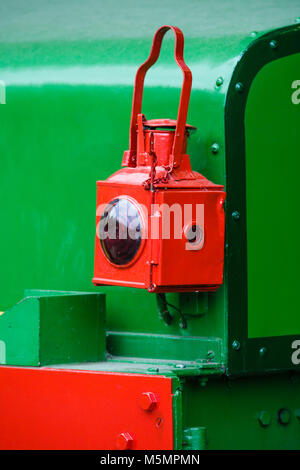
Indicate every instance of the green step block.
{"type": "Point", "coordinates": [53, 327]}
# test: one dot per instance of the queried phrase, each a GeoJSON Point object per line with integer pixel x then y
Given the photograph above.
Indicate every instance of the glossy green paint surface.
{"type": "Point", "coordinates": [48, 328]}
{"type": "Point", "coordinates": [68, 137]}
{"type": "Point", "coordinates": [208, 351]}
{"type": "Point", "coordinates": [68, 73]}
{"type": "Point", "coordinates": [272, 124]}
{"type": "Point", "coordinates": [230, 411]}
{"type": "Point", "coordinates": [66, 125]}
{"type": "Point", "coordinates": [273, 352]}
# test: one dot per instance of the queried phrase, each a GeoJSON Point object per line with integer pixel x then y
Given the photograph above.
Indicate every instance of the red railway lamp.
{"type": "Point", "coordinates": [160, 225]}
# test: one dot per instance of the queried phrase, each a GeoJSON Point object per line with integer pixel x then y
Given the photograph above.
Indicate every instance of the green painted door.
{"type": "Point", "coordinates": [272, 123]}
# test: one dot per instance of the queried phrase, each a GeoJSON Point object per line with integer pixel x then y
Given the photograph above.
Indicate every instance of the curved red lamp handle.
{"type": "Point", "coordinates": [184, 97]}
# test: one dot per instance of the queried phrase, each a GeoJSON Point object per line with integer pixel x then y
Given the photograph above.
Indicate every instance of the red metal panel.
{"type": "Point", "coordinates": [70, 409]}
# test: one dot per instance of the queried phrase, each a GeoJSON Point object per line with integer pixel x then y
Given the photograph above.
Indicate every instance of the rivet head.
{"type": "Point", "coordinates": [203, 381]}
{"type": "Point", "coordinates": [124, 441]}
{"type": "Point", "coordinates": [264, 418]}
{"type": "Point", "coordinates": [239, 87]}
{"type": "Point", "coordinates": [236, 345]}
{"type": "Point", "coordinates": [219, 81]}
{"type": "Point", "coordinates": [236, 216]}
{"type": "Point", "coordinates": [263, 351]}
{"type": "Point", "coordinates": [215, 148]}
{"type": "Point", "coordinates": [273, 44]}
{"type": "Point", "coordinates": [148, 401]}
{"type": "Point", "coordinates": [158, 422]}
{"type": "Point", "coordinates": [152, 288]}
{"type": "Point", "coordinates": [153, 369]}
{"type": "Point", "coordinates": [210, 354]}
{"type": "Point", "coordinates": [284, 416]}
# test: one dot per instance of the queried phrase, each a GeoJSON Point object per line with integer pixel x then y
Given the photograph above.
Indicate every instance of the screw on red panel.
{"type": "Point", "coordinates": [148, 401]}
{"type": "Point", "coordinates": [124, 441]}
{"type": "Point", "coordinates": [158, 422]}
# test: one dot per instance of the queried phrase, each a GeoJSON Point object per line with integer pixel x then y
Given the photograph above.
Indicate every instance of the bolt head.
{"type": "Point", "coordinates": [274, 44]}
{"type": "Point", "coordinates": [153, 369]}
{"type": "Point", "coordinates": [236, 215]}
{"type": "Point", "coordinates": [239, 87]}
{"type": "Point", "coordinates": [215, 148]}
{"type": "Point", "coordinates": [264, 418]}
{"type": "Point", "coordinates": [124, 441]}
{"type": "Point", "coordinates": [151, 288]}
{"type": "Point", "coordinates": [210, 354]}
{"type": "Point", "coordinates": [263, 351]}
{"type": "Point", "coordinates": [284, 416]}
{"type": "Point", "coordinates": [236, 345]}
{"type": "Point", "coordinates": [219, 81]}
{"type": "Point", "coordinates": [148, 401]}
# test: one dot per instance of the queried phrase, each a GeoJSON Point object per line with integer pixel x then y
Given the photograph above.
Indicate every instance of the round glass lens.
{"type": "Point", "coordinates": [120, 231]}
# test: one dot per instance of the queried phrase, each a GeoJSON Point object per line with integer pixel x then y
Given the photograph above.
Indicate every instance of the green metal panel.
{"type": "Point", "coordinates": [194, 438]}
{"type": "Point", "coordinates": [148, 366]}
{"type": "Point", "coordinates": [19, 335]}
{"type": "Point", "coordinates": [68, 91]}
{"type": "Point", "coordinates": [261, 128]}
{"type": "Point", "coordinates": [272, 123]}
{"type": "Point", "coordinates": [177, 412]}
{"type": "Point", "coordinates": [244, 414]}
{"type": "Point", "coordinates": [51, 328]}
{"type": "Point", "coordinates": [178, 348]}
{"type": "Point", "coordinates": [65, 125]}
{"type": "Point", "coordinates": [69, 103]}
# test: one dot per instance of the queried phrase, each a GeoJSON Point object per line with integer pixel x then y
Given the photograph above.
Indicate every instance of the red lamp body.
{"type": "Point", "coordinates": [168, 220]}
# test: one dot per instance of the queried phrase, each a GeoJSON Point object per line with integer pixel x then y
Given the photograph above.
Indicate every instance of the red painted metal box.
{"type": "Point", "coordinates": [160, 225]}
